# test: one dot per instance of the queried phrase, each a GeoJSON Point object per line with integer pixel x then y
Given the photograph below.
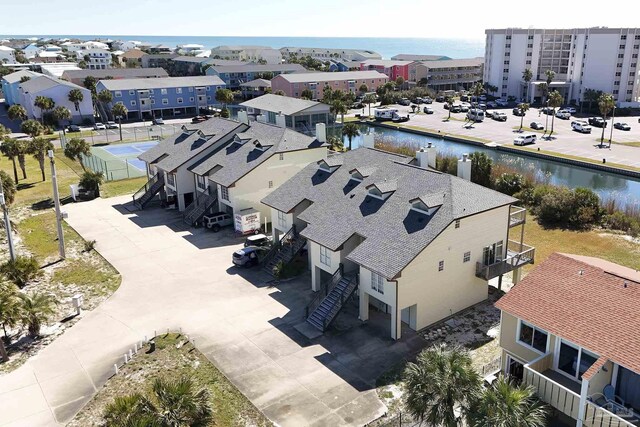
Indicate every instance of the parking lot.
{"type": "Point", "coordinates": [625, 149]}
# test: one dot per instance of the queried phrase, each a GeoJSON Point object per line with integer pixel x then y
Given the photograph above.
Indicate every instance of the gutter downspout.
{"type": "Point", "coordinates": [583, 401]}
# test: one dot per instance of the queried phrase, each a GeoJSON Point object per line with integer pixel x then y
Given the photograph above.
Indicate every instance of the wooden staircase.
{"type": "Point", "coordinates": [196, 210]}
{"type": "Point", "coordinates": [330, 299]}
{"type": "Point", "coordinates": [284, 250]}
{"type": "Point", "coordinates": [148, 191]}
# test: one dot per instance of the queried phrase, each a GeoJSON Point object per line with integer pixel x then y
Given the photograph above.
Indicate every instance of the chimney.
{"type": "Point", "coordinates": [321, 132]}
{"type": "Point", "coordinates": [260, 118]}
{"type": "Point", "coordinates": [367, 140]}
{"type": "Point", "coordinates": [426, 156]}
{"type": "Point", "coordinates": [280, 121]}
{"type": "Point", "coordinates": [464, 167]}
{"type": "Point", "coordinates": [243, 117]}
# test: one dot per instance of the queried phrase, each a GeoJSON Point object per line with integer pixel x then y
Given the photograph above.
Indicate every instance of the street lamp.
{"type": "Point", "coordinates": [7, 223]}
{"type": "Point", "coordinates": [613, 116]}
{"type": "Point", "coordinates": [56, 199]}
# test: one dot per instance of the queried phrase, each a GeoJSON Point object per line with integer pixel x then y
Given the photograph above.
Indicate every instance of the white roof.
{"type": "Point", "coordinates": [327, 77]}
{"type": "Point", "coordinates": [6, 48]}
{"type": "Point", "coordinates": [161, 82]}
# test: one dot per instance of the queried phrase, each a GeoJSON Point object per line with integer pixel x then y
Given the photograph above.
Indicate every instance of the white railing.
{"type": "Point", "coordinates": [517, 215]}
{"type": "Point", "coordinates": [597, 416]}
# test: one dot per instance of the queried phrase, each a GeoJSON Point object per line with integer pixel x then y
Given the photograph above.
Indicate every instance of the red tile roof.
{"type": "Point", "coordinates": [588, 301]}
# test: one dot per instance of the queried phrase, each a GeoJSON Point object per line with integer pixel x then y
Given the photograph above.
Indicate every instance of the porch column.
{"type": "Point", "coordinates": [516, 276]}
{"type": "Point", "coordinates": [364, 305]}
{"type": "Point", "coordinates": [584, 390]}
{"type": "Point", "coordinates": [315, 278]}
{"type": "Point", "coordinates": [396, 322]}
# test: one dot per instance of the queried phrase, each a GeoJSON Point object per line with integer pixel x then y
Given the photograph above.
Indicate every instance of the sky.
{"type": "Point", "coordinates": [297, 18]}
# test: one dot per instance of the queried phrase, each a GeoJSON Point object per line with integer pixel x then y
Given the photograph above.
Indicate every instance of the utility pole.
{"type": "Point", "coordinates": [7, 223]}
{"type": "Point", "coordinates": [613, 116]}
{"type": "Point", "coordinates": [56, 199]}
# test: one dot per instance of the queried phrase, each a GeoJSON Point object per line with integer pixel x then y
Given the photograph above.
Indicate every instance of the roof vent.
{"type": "Point", "coordinates": [581, 272]}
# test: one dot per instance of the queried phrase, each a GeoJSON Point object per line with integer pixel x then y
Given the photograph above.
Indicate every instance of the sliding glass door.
{"type": "Point", "coordinates": [573, 360]}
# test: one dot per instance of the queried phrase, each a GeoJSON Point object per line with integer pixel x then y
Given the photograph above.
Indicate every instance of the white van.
{"type": "Point", "coordinates": [475, 114]}
{"type": "Point", "coordinates": [382, 114]}
{"type": "Point", "coordinates": [527, 138]}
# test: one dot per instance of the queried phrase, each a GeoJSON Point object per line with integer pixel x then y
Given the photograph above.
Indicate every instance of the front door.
{"type": "Point", "coordinates": [188, 199]}
{"type": "Point", "coordinates": [515, 369]}
{"type": "Point", "coordinates": [492, 254]}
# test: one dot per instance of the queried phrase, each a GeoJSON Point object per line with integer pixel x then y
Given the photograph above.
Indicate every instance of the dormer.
{"type": "Point", "coordinates": [239, 140]}
{"type": "Point", "coordinates": [427, 205]}
{"type": "Point", "coordinates": [204, 136]}
{"type": "Point", "coordinates": [356, 176]}
{"type": "Point", "coordinates": [326, 167]}
{"type": "Point", "coordinates": [188, 131]}
{"type": "Point", "coordinates": [382, 190]}
{"type": "Point", "coordinates": [359, 174]}
{"type": "Point", "coordinates": [260, 146]}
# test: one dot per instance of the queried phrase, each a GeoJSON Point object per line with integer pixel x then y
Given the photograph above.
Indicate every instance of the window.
{"type": "Point", "coordinates": [281, 156]}
{"type": "Point", "coordinates": [457, 223]}
{"type": "Point", "coordinates": [621, 46]}
{"type": "Point", "coordinates": [165, 101]}
{"type": "Point", "coordinates": [440, 265]}
{"type": "Point", "coordinates": [178, 90]}
{"type": "Point", "coordinates": [530, 46]}
{"type": "Point", "coordinates": [466, 257]}
{"type": "Point", "coordinates": [151, 91]}
{"type": "Point", "coordinates": [282, 219]}
{"type": "Point", "coordinates": [201, 181]}
{"type": "Point", "coordinates": [530, 38]}
{"type": "Point", "coordinates": [532, 337]}
{"type": "Point", "coordinates": [132, 92]}
{"type": "Point", "coordinates": [616, 83]}
{"type": "Point", "coordinates": [171, 179]}
{"type": "Point", "coordinates": [377, 283]}
{"type": "Point", "coordinates": [573, 360]}
{"type": "Point", "coordinates": [325, 256]}
{"type": "Point", "coordinates": [224, 193]}
{"type": "Point", "coordinates": [631, 74]}
{"type": "Point", "coordinates": [621, 55]}
{"type": "Point", "coordinates": [191, 99]}
{"type": "Point", "coordinates": [153, 101]}
{"type": "Point", "coordinates": [118, 94]}
{"type": "Point", "coordinates": [163, 91]}
{"type": "Point", "coordinates": [623, 37]}
{"type": "Point", "coordinates": [270, 184]}
{"type": "Point", "coordinates": [179, 100]}
{"type": "Point", "coordinates": [133, 103]}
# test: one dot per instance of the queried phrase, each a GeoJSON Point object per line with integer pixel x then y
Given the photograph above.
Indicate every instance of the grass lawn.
{"type": "Point", "coordinates": [39, 235]}
{"type": "Point", "coordinates": [174, 357]}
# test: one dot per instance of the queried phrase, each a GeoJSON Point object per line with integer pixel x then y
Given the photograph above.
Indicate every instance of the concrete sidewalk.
{"type": "Point", "coordinates": [176, 278]}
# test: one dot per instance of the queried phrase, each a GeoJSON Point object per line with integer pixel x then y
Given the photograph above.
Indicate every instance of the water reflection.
{"type": "Point", "coordinates": [607, 185]}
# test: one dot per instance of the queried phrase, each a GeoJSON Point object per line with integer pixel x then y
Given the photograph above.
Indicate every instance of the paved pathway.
{"type": "Point", "coordinates": [173, 278]}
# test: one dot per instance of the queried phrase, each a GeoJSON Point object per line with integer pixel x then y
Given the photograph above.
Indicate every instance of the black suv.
{"type": "Point", "coordinates": [597, 122]}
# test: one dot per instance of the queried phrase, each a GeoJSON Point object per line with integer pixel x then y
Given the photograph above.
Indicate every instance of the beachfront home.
{"type": "Point", "coordinates": [298, 114]}
{"type": "Point", "coordinates": [449, 74]}
{"type": "Point", "coordinates": [187, 65]}
{"type": "Point", "coordinates": [132, 58]}
{"type": "Point", "coordinates": [255, 54]}
{"type": "Point", "coordinates": [7, 55]}
{"type": "Point", "coordinates": [347, 81]}
{"type": "Point", "coordinates": [58, 90]}
{"type": "Point", "coordinates": [420, 245]}
{"type": "Point", "coordinates": [78, 76]}
{"type": "Point", "coordinates": [570, 330]}
{"type": "Point", "coordinates": [165, 96]}
{"type": "Point", "coordinates": [324, 54]}
{"type": "Point", "coordinates": [234, 75]}
{"type": "Point", "coordinates": [393, 69]}
{"type": "Point", "coordinates": [11, 83]}
{"type": "Point", "coordinates": [96, 59]}
{"type": "Point", "coordinates": [255, 88]}
{"type": "Point", "coordinates": [411, 57]}
{"type": "Point", "coordinates": [226, 165]}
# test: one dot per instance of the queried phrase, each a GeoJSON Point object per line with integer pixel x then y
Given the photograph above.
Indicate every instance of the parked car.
{"type": "Point", "coordinates": [446, 106]}
{"type": "Point", "coordinates": [427, 110]}
{"type": "Point", "coordinates": [502, 103]}
{"type": "Point", "coordinates": [464, 98]}
{"type": "Point", "coordinates": [440, 98]}
{"type": "Point", "coordinates": [99, 126]}
{"type": "Point", "coordinates": [580, 126]}
{"type": "Point", "coordinates": [428, 100]}
{"type": "Point", "coordinates": [248, 256]}
{"type": "Point", "coordinates": [571, 110]}
{"type": "Point", "coordinates": [418, 100]}
{"type": "Point", "coordinates": [405, 102]}
{"type": "Point", "coordinates": [547, 110]}
{"type": "Point", "coordinates": [216, 221]}
{"type": "Point", "coordinates": [455, 108]}
{"type": "Point", "coordinates": [73, 128]}
{"type": "Point", "coordinates": [622, 126]}
{"type": "Point", "coordinates": [564, 115]}
{"type": "Point", "coordinates": [400, 119]}
{"type": "Point", "coordinates": [257, 240]}
{"type": "Point", "coordinates": [518, 112]}
{"type": "Point", "coordinates": [597, 122]}
{"type": "Point", "coordinates": [111, 125]}
{"type": "Point", "coordinates": [528, 138]}
{"type": "Point", "coordinates": [489, 114]}
{"type": "Point", "coordinates": [157, 121]}
{"type": "Point", "coordinates": [198, 119]}
{"type": "Point", "coordinates": [492, 104]}
{"type": "Point", "coordinates": [499, 116]}
{"type": "Point", "coordinates": [482, 106]}
{"type": "Point", "coordinates": [536, 125]}
{"type": "Point", "coordinates": [464, 106]}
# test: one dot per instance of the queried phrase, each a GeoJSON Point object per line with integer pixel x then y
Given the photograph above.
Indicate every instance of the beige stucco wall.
{"type": "Point", "coordinates": [601, 379]}
{"type": "Point", "coordinates": [508, 340]}
{"type": "Point", "coordinates": [439, 294]}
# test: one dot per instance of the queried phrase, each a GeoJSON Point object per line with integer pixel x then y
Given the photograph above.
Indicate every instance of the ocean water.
{"type": "Point", "coordinates": [387, 47]}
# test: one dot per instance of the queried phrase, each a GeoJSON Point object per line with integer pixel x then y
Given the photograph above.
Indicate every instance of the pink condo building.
{"type": "Point", "coordinates": [347, 81]}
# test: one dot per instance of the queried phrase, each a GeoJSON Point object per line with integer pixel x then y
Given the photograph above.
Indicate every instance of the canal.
{"type": "Point", "coordinates": [608, 185]}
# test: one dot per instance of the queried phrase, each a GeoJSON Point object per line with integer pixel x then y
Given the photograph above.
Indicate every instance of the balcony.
{"type": "Point", "coordinates": [517, 216]}
{"type": "Point", "coordinates": [563, 394]}
{"type": "Point", "coordinates": [518, 255]}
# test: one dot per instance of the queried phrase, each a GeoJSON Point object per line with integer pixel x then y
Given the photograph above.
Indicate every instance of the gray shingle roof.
{"type": "Point", "coordinates": [253, 68]}
{"type": "Point", "coordinates": [257, 83]}
{"type": "Point", "coordinates": [235, 160]}
{"type": "Point", "coordinates": [277, 103]}
{"type": "Point", "coordinates": [393, 233]}
{"type": "Point", "coordinates": [180, 148]}
{"type": "Point", "coordinates": [329, 77]}
{"type": "Point", "coordinates": [15, 77]}
{"type": "Point", "coordinates": [162, 82]}
{"type": "Point", "coordinates": [116, 73]}
{"type": "Point", "coordinates": [38, 84]}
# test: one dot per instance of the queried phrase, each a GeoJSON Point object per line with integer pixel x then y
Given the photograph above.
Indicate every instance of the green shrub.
{"type": "Point", "coordinates": [510, 183]}
{"type": "Point", "coordinates": [8, 187]}
{"type": "Point", "coordinates": [447, 163]}
{"type": "Point", "coordinates": [561, 207]}
{"type": "Point", "coordinates": [21, 271]}
{"type": "Point", "coordinates": [89, 245]}
{"type": "Point", "coordinates": [481, 166]}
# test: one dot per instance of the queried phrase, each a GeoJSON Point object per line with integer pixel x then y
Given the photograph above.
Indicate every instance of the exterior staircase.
{"type": "Point", "coordinates": [284, 250]}
{"type": "Point", "coordinates": [330, 299]}
{"type": "Point", "coordinates": [148, 191]}
{"type": "Point", "coordinates": [196, 210]}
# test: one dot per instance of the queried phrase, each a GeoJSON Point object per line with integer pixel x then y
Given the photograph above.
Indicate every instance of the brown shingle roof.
{"type": "Point", "coordinates": [588, 301]}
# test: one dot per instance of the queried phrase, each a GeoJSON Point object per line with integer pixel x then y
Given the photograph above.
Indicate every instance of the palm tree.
{"type": "Point", "coordinates": [105, 97]}
{"type": "Point", "coordinates": [555, 101]}
{"type": "Point", "coordinates": [306, 94]}
{"type": "Point", "coordinates": [61, 113]}
{"type": "Point", "coordinates": [32, 128]}
{"type": "Point", "coordinates": [477, 90]}
{"type": "Point", "coordinates": [527, 75]}
{"type": "Point", "coordinates": [119, 111]}
{"type": "Point", "coordinates": [10, 149]}
{"type": "Point", "coordinates": [440, 380]}
{"type": "Point", "coordinates": [76, 148]}
{"type": "Point", "coordinates": [523, 107]}
{"type": "Point", "coordinates": [369, 99]}
{"type": "Point", "coordinates": [338, 107]}
{"type": "Point", "coordinates": [36, 310]}
{"type": "Point", "coordinates": [171, 403]}
{"type": "Point", "coordinates": [39, 148]}
{"type": "Point", "coordinates": [350, 130]}
{"type": "Point", "coordinates": [224, 96]}
{"type": "Point", "coordinates": [544, 88]}
{"type": "Point", "coordinates": [506, 404]}
{"type": "Point", "coordinates": [76, 96]}
{"type": "Point", "coordinates": [550, 74]}
{"type": "Point", "coordinates": [606, 103]}
{"type": "Point", "coordinates": [10, 307]}
{"type": "Point", "coordinates": [17, 112]}
{"type": "Point", "coordinates": [449, 101]}
{"type": "Point", "coordinates": [44, 104]}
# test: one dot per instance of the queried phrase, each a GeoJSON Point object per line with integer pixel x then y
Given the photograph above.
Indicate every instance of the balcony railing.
{"type": "Point", "coordinates": [565, 400]}
{"type": "Point", "coordinates": [518, 254]}
{"type": "Point", "coordinates": [517, 216]}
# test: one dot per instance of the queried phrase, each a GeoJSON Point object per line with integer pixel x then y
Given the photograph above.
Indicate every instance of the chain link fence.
{"type": "Point", "coordinates": [129, 134]}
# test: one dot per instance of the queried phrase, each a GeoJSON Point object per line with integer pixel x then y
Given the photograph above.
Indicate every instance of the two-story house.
{"type": "Point", "coordinates": [235, 75]}
{"type": "Point", "coordinates": [11, 85]}
{"type": "Point", "coordinates": [418, 244]}
{"type": "Point", "coordinates": [570, 330]}
{"type": "Point", "coordinates": [300, 115]}
{"type": "Point", "coordinates": [346, 81]}
{"type": "Point", "coordinates": [225, 165]}
{"type": "Point", "coordinates": [58, 90]}
{"type": "Point", "coordinates": [165, 96]}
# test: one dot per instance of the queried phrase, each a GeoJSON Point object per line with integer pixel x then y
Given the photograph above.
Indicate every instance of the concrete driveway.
{"type": "Point", "coordinates": [178, 278]}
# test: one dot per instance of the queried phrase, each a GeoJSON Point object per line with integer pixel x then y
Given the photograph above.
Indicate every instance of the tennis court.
{"type": "Point", "coordinates": [119, 161]}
